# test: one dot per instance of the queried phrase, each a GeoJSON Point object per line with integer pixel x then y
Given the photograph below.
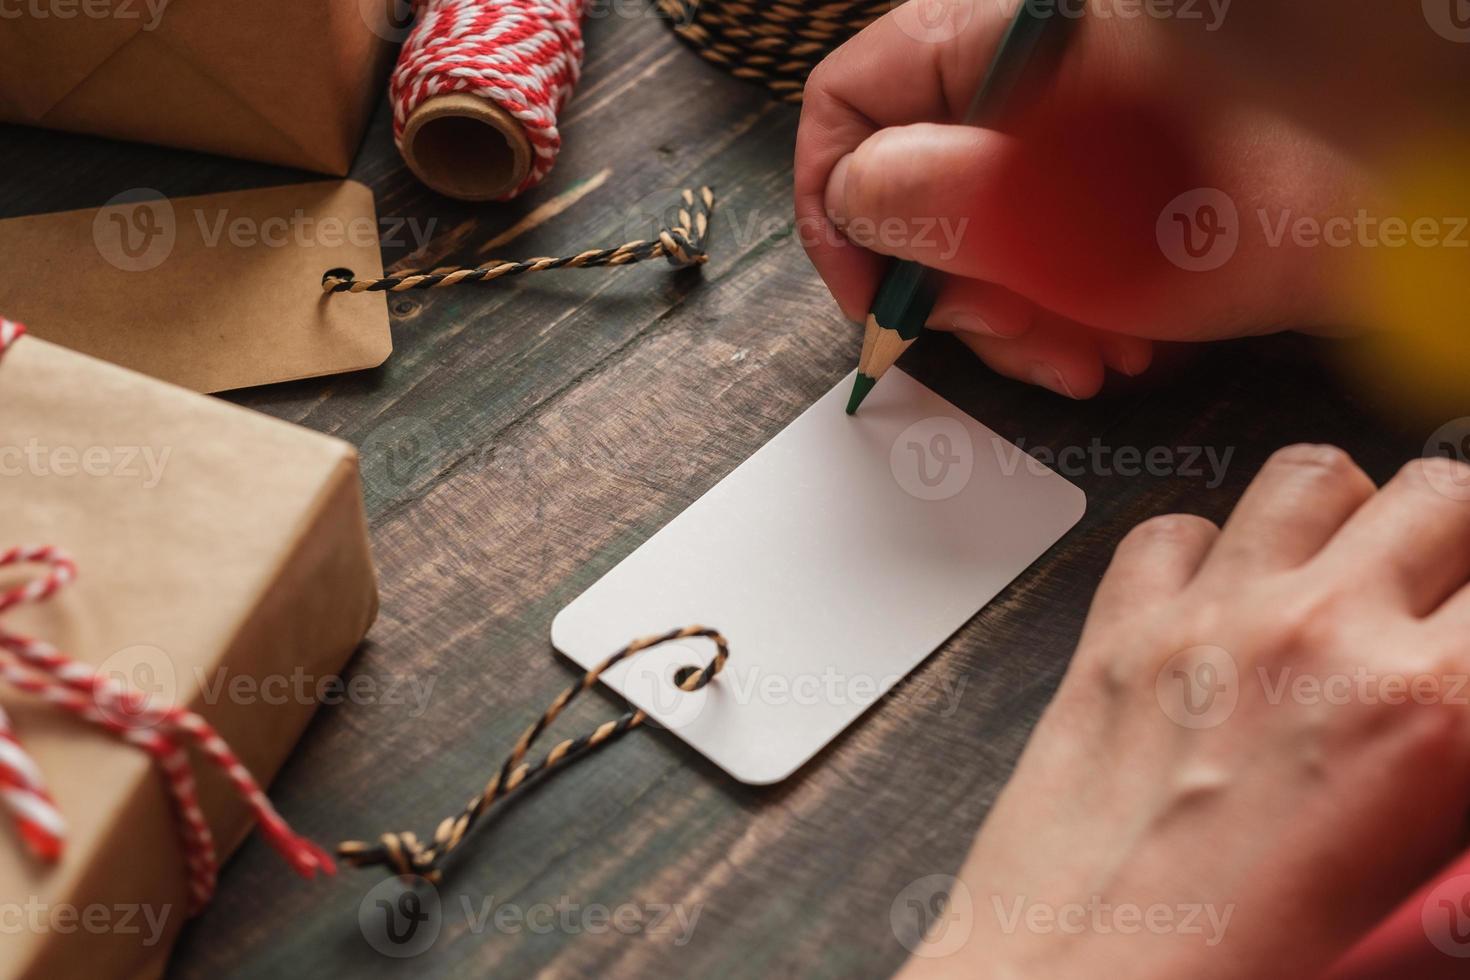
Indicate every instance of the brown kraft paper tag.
{"type": "Point", "coordinates": [213, 292]}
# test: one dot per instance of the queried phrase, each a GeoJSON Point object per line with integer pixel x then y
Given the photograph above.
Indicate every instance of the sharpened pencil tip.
{"type": "Point", "coordinates": [861, 385]}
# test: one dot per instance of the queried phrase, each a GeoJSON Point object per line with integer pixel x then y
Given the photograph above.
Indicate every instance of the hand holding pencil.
{"type": "Point", "coordinates": [906, 296]}
{"type": "Point", "coordinates": [1042, 220]}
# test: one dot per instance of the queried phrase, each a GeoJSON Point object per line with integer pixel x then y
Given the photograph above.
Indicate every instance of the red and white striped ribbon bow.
{"type": "Point", "coordinates": [523, 55]}
{"type": "Point", "coordinates": [38, 668]}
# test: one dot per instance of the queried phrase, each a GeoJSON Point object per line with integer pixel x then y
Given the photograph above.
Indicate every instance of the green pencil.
{"type": "Point", "coordinates": [906, 297]}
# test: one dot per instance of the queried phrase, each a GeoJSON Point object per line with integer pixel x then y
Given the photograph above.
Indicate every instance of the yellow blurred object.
{"type": "Point", "coordinates": [1414, 286]}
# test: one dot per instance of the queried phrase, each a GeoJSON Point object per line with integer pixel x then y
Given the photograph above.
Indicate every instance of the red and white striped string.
{"type": "Point", "coordinates": [38, 668]}
{"type": "Point", "coordinates": [523, 55]}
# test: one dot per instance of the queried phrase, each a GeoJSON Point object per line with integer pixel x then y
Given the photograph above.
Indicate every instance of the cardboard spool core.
{"type": "Point", "coordinates": [466, 148]}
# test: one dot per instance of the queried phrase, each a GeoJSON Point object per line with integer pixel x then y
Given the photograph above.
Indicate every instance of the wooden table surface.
{"type": "Point", "coordinates": [528, 434]}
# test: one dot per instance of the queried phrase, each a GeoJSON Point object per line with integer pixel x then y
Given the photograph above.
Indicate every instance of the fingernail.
{"type": "Point", "coordinates": [1050, 378]}
{"type": "Point", "coordinates": [1128, 360]}
{"type": "Point", "coordinates": [835, 200]}
{"type": "Point", "coordinates": [971, 323]}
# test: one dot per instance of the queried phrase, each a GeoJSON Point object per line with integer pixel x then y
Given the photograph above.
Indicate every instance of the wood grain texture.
{"type": "Point", "coordinates": [527, 435]}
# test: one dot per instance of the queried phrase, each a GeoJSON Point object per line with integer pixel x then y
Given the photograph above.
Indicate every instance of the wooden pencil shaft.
{"type": "Point", "coordinates": [1008, 67]}
{"type": "Point", "coordinates": [906, 298]}
{"type": "Point", "coordinates": [907, 294]}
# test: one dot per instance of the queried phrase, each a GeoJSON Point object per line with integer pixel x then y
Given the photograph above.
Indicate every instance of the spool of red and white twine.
{"type": "Point", "coordinates": [478, 89]}
{"type": "Point", "coordinates": [36, 667]}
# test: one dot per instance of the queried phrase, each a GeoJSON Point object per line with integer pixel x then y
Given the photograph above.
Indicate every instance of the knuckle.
{"type": "Point", "coordinates": [1314, 461]}
{"type": "Point", "coordinates": [1310, 623]}
{"type": "Point", "coordinates": [1167, 529]}
{"type": "Point", "coordinates": [1434, 473]}
{"type": "Point", "coordinates": [816, 79]}
{"type": "Point", "coordinates": [1116, 672]}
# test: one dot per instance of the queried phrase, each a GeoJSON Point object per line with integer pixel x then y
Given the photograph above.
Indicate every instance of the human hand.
{"type": "Point", "coordinates": [1049, 225]}
{"type": "Point", "coordinates": [1267, 725]}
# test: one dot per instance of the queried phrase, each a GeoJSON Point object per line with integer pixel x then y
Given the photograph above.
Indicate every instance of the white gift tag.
{"type": "Point", "coordinates": [834, 560]}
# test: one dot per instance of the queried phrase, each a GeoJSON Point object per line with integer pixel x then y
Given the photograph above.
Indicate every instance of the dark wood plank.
{"type": "Point", "coordinates": [527, 435]}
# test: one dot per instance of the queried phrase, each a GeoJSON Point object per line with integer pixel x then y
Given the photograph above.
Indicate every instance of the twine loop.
{"type": "Point", "coordinates": [682, 244]}
{"type": "Point", "coordinates": [405, 854]}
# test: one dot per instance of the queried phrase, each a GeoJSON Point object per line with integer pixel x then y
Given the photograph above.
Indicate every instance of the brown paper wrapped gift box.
{"type": "Point", "coordinates": [283, 81]}
{"type": "Point", "coordinates": [243, 554]}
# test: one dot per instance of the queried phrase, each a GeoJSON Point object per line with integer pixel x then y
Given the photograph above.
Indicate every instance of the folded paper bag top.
{"type": "Point", "coordinates": [284, 81]}
{"type": "Point", "coordinates": [215, 545]}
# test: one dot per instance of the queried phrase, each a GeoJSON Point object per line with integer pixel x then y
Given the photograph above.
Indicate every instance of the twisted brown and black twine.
{"type": "Point", "coordinates": [406, 855]}
{"type": "Point", "coordinates": [682, 244]}
{"type": "Point", "coordinates": [776, 44]}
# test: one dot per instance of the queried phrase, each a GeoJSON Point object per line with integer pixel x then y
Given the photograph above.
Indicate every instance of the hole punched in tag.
{"type": "Point", "coordinates": [682, 243]}
{"type": "Point", "coordinates": [406, 855]}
